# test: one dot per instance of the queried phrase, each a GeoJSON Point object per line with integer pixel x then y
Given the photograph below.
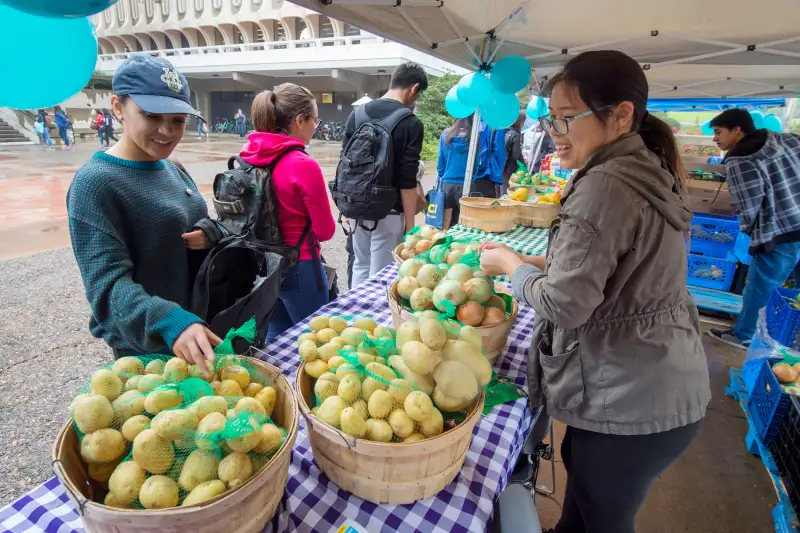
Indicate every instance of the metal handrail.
{"type": "Point", "coordinates": [246, 47]}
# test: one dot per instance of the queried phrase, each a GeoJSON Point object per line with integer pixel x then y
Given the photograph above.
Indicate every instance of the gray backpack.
{"type": "Point", "coordinates": [363, 189]}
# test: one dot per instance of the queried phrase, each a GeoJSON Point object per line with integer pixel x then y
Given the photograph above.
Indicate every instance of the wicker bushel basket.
{"type": "Point", "coordinates": [488, 214]}
{"type": "Point", "coordinates": [537, 215]}
{"type": "Point", "coordinates": [246, 509]}
{"type": "Point", "coordinates": [393, 473]}
{"type": "Point", "coordinates": [494, 337]}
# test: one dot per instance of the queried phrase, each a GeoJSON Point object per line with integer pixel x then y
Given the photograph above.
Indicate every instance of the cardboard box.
{"type": "Point", "coordinates": [709, 197]}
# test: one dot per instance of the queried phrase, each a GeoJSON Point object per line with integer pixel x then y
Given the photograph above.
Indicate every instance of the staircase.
{"type": "Point", "coordinates": [10, 135]}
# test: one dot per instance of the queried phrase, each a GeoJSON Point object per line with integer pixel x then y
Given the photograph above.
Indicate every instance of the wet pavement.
{"type": "Point", "coordinates": [47, 353]}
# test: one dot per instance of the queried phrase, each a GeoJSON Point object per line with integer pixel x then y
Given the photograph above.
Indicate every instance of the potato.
{"type": "Point", "coordinates": [466, 353]}
{"type": "Point", "coordinates": [419, 358]}
{"type": "Point", "coordinates": [326, 352]}
{"type": "Point", "coordinates": [327, 385]}
{"type": "Point", "coordinates": [159, 492]}
{"type": "Point", "coordinates": [150, 382]}
{"type": "Point", "coordinates": [245, 443]}
{"type": "Point", "coordinates": [379, 430]}
{"type": "Point", "coordinates": [200, 466]}
{"type": "Point", "coordinates": [133, 426]}
{"type": "Point", "coordinates": [229, 387]}
{"type": "Point", "coordinates": [176, 370]}
{"type": "Point", "coordinates": [361, 407]}
{"type": "Point", "coordinates": [456, 386]}
{"type": "Point", "coordinates": [424, 383]}
{"type": "Point", "coordinates": [433, 425]}
{"type": "Point", "coordinates": [401, 423]}
{"type": "Point", "coordinates": [349, 388]}
{"type": "Point", "coordinates": [418, 406]}
{"type": "Point", "coordinates": [75, 400]}
{"type": "Point", "coordinates": [111, 501]}
{"type": "Point", "coordinates": [126, 481]}
{"type": "Point", "coordinates": [132, 383]}
{"type": "Point", "coordinates": [380, 404]}
{"type": "Point", "coordinates": [307, 337]}
{"type": "Point", "coordinates": [100, 472]}
{"type": "Point", "coordinates": [204, 491]}
{"type": "Point", "coordinates": [235, 469]}
{"type": "Point", "coordinates": [330, 411]}
{"type": "Point", "coordinates": [267, 396]}
{"type": "Point", "coordinates": [335, 362]}
{"type": "Point", "coordinates": [337, 323]}
{"type": "Point", "coordinates": [369, 386]}
{"type": "Point", "coordinates": [162, 399]}
{"type": "Point", "coordinates": [319, 323]}
{"type": "Point", "coordinates": [414, 437]}
{"type": "Point", "coordinates": [211, 424]}
{"type": "Point", "coordinates": [126, 367]}
{"type": "Point", "coordinates": [128, 405]}
{"type": "Point", "coordinates": [353, 423]}
{"type": "Point", "coordinates": [271, 438]}
{"type": "Point", "coordinates": [92, 412]}
{"type": "Point", "coordinates": [363, 323]}
{"type": "Point", "coordinates": [252, 389]}
{"type": "Point", "coordinates": [106, 383]}
{"type": "Point", "coordinates": [102, 446]}
{"type": "Point", "coordinates": [156, 366]}
{"type": "Point", "coordinates": [152, 453]}
{"type": "Point", "coordinates": [250, 405]}
{"type": "Point", "coordinates": [308, 351]}
{"type": "Point", "coordinates": [784, 372]}
{"type": "Point", "coordinates": [195, 371]}
{"type": "Point", "coordinates": [174, 424]}
{"type": "Point", "coordinates": [399, 389]}
{"type": "Point", "coordinates": [316, 368]}
{"type": "Point", "coordinates": [352, 336]}
{"type": "Point", "coordinates": [382, 332]}
{"type": "Point", "coordinates": [236, 373]}
{"type": "Point", "coordinates": [206, 405]}
{"type": "Point", "coordinates": [215, 384]}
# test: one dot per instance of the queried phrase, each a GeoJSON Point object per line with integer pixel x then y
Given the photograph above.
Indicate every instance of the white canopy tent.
{"type": "Point", "coordinates": [361, 101]}
{"type": "Point", "coordinates": [688, 48]}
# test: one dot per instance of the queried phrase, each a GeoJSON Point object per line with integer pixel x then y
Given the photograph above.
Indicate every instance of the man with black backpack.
{"type": "Point", "coordinates": [376, 180]}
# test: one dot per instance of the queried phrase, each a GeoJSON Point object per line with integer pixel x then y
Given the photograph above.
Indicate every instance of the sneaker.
{"type": "Point", "coordinates": [728, 337]}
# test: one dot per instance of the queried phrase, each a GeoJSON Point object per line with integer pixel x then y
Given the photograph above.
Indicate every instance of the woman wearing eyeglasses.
{"type": "Point", "coordinates": [616, 353]}
{"type": "Point", "coordinates": [285, 121]}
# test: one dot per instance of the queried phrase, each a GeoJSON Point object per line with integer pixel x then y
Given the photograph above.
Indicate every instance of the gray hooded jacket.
{"type": "Point", "coordinates": [616, 345]}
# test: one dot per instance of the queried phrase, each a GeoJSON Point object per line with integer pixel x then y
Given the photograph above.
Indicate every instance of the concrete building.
{"type": "Point", "coordinates": [231, 49]}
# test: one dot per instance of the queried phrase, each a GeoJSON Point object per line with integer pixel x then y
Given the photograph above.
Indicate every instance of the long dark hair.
{"type": "Point", "coordinates": [458, 125]}
{"type": "Point", "coordinates": [606, 78]}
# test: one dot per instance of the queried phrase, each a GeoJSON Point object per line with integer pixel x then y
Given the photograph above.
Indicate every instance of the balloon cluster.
{"type": "Point", "coordinates": [760, 121]}
{"type": "Point", "coordinates": [40, 72]}
{"type": "Point", "coordinates": [495, 94]}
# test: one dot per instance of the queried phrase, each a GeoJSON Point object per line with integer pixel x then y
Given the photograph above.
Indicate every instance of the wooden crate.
{"type": "Point", "coordinates": [488, 214]}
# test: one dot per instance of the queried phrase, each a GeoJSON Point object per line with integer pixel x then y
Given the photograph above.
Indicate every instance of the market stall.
{"type": "Point", "coordinates": [313, 503]}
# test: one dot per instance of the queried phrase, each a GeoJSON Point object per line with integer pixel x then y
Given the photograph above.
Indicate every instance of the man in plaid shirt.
{"type": "Point", "coordinates": [763, 170]}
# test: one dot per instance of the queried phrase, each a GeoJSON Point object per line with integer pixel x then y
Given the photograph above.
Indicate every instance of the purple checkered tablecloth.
{"type": "Point", "coordinates": [312, 503]}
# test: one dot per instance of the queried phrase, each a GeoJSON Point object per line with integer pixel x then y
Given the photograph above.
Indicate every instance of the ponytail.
{"type": "Point", "coordinates": [659, 139]}
{"type": "Point", "coordinates": [274, 111]}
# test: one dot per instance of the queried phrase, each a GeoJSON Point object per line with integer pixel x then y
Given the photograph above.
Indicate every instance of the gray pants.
{"type": "Point", "coordinates": [373, 249]}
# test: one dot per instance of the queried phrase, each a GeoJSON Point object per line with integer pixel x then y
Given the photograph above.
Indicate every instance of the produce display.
{"type": "Point", "coordinates": [156, 433]}
{"type": "Point", "coordinates": [374, 383]}
{"type": "Point", "coordinates": [539, 188]}
{"type": "Point", "coordinates": [419, 240]}
{"type": "Point", "coordinates": [789, 376]}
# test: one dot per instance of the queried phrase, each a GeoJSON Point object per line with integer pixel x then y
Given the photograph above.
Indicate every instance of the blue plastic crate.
{"type": "Point", "coordinates": [741, 248]}
{"type": "Point", "coordinates": [711, 272]}
{"type": "Point", "coordinates": [783, 321]}
{"type": "Point", "coordinates": [767, 404]}
{"type": "Point", "coordinates": [713, 235]}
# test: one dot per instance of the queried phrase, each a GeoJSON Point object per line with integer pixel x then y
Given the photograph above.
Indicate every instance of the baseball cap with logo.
{"type": "Point", "coordinates": [154, 85]}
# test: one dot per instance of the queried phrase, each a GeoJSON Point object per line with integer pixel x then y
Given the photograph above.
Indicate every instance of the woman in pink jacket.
{"type": "Point", "coordinates": [285, 121]}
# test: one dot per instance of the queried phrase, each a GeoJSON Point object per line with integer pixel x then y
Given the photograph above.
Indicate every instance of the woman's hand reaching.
{"type": "Point", "coordinates": [499, 259]}
{"type": "Point", "coordinates": [195, 346]}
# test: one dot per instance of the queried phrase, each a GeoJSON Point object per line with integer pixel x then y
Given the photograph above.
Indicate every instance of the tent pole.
{"type": "Point", "coordinates": [473, 145]}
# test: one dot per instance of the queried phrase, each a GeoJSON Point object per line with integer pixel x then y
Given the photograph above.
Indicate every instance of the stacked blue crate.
{"type": "Point", "coordinates": [712, 264]}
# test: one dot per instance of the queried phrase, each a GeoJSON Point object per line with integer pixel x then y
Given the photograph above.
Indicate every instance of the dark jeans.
{"type": "Point", "coordinates": [608, 476]}
{"type": "Point", "coordinates": [351, 259]}
{"type": "Point", "coordinates": [300, 296]}
{"type": "Point", "coordinates": [453, 191]}
{"type": "Point", "coordinates": [240, 128]}
{"type": "Point", "coordinates": [107, 134]}
{"type": "Point", "coordinates": [62, 132]}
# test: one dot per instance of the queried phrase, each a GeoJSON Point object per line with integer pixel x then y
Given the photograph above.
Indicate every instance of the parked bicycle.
{"type": "Point", "coordinates": [330, 131]}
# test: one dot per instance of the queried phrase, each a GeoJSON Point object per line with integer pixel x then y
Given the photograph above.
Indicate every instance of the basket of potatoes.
{"type": "Point", "coordinates": [153, 444]}
{"type": "Point", "coordinates": [417, 241]}
{"type": "Point", "coordinates": [388, 422]}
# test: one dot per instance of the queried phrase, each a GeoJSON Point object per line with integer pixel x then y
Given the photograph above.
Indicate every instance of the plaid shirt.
{"type": "Point", "coordinates": [765, 188]}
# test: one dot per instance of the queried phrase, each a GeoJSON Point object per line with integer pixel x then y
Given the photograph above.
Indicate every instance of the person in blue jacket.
{"type": "Point", "coordinates": [62, 122]}
{"type": "Point", "coordinates": [451, 166]}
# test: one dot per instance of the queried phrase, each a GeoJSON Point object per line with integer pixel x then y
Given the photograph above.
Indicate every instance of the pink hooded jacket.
{"type": "Point", "coordinates": [299, 187]}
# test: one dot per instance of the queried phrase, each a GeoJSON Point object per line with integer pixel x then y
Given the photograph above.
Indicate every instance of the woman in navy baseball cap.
{"type": "Point", "coordinates": [138, 224]}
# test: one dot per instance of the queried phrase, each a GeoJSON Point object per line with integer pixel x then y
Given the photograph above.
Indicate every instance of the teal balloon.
{"type": "Point", "coordinates": [474, 89]}
{"type": "Point", "coordinates": [537, 107]}
{"type": "Point", "coordinates": [773, 123]}
{"type": "Point", "coordinates": [511, 74]}
{"type": "Point", "coordinates": [501, 111]}
{"type": "Point", "coordinates": [454, 105]}
{"type": "Point", "coordinates": [39, 73]}
{"type": "Point", "coordinates": [758, 119]}
{"type": "Point", "coordinates": [60, 8]}
{"type": "Point", "coordinates": [706, 129]}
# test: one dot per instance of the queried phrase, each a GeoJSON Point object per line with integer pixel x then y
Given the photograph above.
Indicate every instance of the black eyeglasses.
{"type": "Point", "coordinates": [560, 125]}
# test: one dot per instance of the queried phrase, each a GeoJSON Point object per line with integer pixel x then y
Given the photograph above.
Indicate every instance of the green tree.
{"type": "Point", "coordinates": [433, 115]}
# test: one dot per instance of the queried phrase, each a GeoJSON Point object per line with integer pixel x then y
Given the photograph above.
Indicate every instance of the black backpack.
{"type": "Point", "coordinates": [363, 189]}
{"type": "Point", "coordinates": [238, 280]}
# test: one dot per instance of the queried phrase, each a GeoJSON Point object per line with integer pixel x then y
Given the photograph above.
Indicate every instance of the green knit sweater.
{"type": "Point", "coordinates": [125, 220]}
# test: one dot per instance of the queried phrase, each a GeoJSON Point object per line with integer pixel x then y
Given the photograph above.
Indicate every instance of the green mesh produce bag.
{"type": "Point", "coordinates": [157, 434]}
